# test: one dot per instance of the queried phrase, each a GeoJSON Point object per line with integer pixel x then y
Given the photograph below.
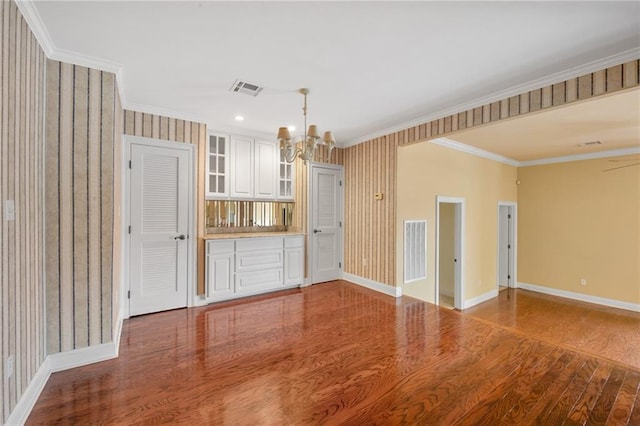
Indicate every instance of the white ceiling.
{"type": "Point", "coordinates": [370, 65]}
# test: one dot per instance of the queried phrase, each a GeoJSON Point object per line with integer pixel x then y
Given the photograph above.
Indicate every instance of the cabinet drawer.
{"type": "Point", "coordinates": [259, 280]}
{"type": "Point", "coordinates": [217, 247]}
{"type": "Point", "coordinates": [259, 244]}
{"type": "Point", "coordinates": [294, 241]}
{"type": "Point", "coordinates": [258, 260]}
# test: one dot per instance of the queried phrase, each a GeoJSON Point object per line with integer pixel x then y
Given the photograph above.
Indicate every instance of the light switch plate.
{"type": "Point", "coordinates": [10, 210]}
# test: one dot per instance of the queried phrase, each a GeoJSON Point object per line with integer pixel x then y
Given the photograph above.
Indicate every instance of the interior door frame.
{"type": "Point", "coordinates": [514, 240]}
{"type": "Point", "coordinates": [127, 142]}
{"type": "Point", "coordinates": [460, 233]}
{"type": "Point", "coordinates": [311, 165]}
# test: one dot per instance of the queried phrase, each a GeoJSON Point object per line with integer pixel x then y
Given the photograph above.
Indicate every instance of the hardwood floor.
{"type": "Point", "coordinates": [337, 353]}
{"type": "Point", "coordinates": [611, 333]}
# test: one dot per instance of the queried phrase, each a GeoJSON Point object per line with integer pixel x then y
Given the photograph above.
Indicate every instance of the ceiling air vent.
{"type": "Point", "coordinates": [247, 88]}
{"type": "Point", "coordinates": [590, 143]}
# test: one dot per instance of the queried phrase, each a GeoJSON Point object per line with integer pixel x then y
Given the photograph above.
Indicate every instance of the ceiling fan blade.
{"type": "Point", "coordinates": [626, 159]}
{"type": "Point", "coordinates": [621, 167]}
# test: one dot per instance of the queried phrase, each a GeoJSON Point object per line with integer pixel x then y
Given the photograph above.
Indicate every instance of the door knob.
{"type": "Point", "coordinates": [180, 237]}
{"type": "Point", "coordinates": [315, 231]}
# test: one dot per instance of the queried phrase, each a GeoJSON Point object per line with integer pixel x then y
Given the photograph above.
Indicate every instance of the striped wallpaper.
{"type": "Point", "coordinates": [83, 128]}
{"type": "Point", "coordinates": [22, 70]}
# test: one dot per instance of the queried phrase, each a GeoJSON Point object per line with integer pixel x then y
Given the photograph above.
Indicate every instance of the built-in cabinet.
{"type": "Point", "coordinates": [243, 168]}
{"type": "Point", "coordinates": [246, 266]}
{"type": "Point", "coordinates": [286, 174]}
{"type": "Point", "coordinates": [217, 167]}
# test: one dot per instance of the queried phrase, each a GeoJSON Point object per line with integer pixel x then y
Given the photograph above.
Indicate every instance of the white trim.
{"type": "Point", "coordinates": [83, 356]}
{"type": "Point", "coordinates": [166, 112]}
{"type": "Point", "coordinates": [458, 146]}
{"type": "Point", "coordinates": [589, 67]}
{"type": "Point", "coordinates": [33, 18]}
{"type": "Point", "coordinates": [480, 299]}
{"type": "Point", "coordinates": [373, 285]}
{"type": "Point", "coordinates": [30, 395]}
{"type": "Point", "coordinates": [515, 243]}
{"type": "Point", "coordinates": [579, 157]}
{"type": "Point", "coordinates": [581, 297]}
{"type": "Point", "coordinates": [59, 362]}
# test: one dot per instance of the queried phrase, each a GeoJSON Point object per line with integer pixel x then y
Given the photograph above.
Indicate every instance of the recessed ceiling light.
{"type": "Point", "coordinates": [239, 118]}
{"type": "Point", "coordinates": [292, 128]}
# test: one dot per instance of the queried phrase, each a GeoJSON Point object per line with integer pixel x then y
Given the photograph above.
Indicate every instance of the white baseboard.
{"type": "Point", "coordinates": [581, 297]}
{"type": "Point", "coordinates": [479, 299]}
{"type": "Point", "coordinates": [59, 362]}
{"type": "Point", "coordinates": [30, 396]}
{"type": "Point", "coordinates": [373, 285]}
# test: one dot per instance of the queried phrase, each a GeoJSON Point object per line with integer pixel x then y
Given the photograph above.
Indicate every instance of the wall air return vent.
{"type": "Point", "coordinates": [247, 88]}
{"type": "Point", "coordinates": [415, 250]}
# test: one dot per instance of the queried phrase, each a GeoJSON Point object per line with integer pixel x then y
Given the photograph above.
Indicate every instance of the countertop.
{"type": "Point", "coordinates": [234, 235]}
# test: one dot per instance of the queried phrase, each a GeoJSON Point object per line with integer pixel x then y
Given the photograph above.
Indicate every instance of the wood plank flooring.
{"type": "Point", "coordinates": [337, 353]}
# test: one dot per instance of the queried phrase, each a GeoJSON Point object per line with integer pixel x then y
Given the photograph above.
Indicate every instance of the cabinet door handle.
{"type": "Point", "coordinates": [180, 237]}
{"type": "Point", "coordinates": [315, 231]}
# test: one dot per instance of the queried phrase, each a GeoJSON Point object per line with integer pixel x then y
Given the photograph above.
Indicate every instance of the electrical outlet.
{"type": "Point", "coordinates": [10, 210]}
{"type": "Point", "coordinates": [583, 281]}
{"type": "Point", "coordinates": [9, 367]}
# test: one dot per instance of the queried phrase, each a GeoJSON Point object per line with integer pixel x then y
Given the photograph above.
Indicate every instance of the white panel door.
{"type": "Point", "coordinates": [266, 168]}
{"type": "Point", "coordinates": [241, 150]}
{"type": "Point", "coordinates": [325, 237]}
{"type": "Point", "coordinates": [159, 194]}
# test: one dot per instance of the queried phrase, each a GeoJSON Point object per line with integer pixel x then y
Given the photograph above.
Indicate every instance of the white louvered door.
{"type": "Point", "coordinates": [326, 220]}
{"type": "Point", "coordinates": [159, 194]}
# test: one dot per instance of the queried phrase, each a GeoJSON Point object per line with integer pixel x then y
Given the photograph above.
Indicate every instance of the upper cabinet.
{"type": "Point", "coordinates": [243, 168]}
{"type": "Point", "coordinates": [285, 178]}
{"type": "Point", "coordinates": [265, 169]}
{"type": "Point", "coordinates": [217, 167]}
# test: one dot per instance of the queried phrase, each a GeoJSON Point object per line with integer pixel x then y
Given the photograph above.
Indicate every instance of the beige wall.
{"type": "Point", "coordinates": [426, 170]}
{"type": "Point", "coordinates": [575, 221]}
{"type": "Point", "coordinates": [22, 83]}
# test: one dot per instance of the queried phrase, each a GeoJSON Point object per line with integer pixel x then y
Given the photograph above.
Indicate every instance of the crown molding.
{"type": "Point", "coordinates": [458, 146]}
{"type": "Point", "coordinates": [579, 157]}
{"type": "Point", "coordinates": [450, 143]}
{"type": "Point", "coordinates": [31, 15]}
{"type": "Point", "coordinates": [165, 112]}
{"type": "Point", "coordinates": [589, 67]}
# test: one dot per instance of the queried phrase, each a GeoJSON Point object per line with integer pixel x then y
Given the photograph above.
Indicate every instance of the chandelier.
{"type": "Point", "coordinates": [309, 143]}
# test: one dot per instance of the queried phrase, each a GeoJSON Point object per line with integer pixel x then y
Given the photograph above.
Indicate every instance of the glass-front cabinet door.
{"type": "Point", "coordinates": [286, 180]}
{"type": "Point", "coordinates": [217, 180]}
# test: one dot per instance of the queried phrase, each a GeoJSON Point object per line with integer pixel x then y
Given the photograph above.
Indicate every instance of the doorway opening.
{"type": "Point", "coordinates": [449, 252]}
{"type": "Point", "coordinates": [507, 239]}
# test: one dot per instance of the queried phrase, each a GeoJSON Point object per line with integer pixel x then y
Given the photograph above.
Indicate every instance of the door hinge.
{"type": "Point", "coordinates": [339, 264]}
{"type": "Point", "coordinates": [129, 294]}
{"type": "Point", "coordinates": [129, 228]}
{"type": "Point", "coordinates": [340, 183]}
{"type": "Point", "coordinates": [509, 216]}
{"type": "Point", "coordinates": [129, 163]}
{"type": "Point", "coordinates": [340, 224]}
{"type": "Point", "coordinates": [509, 246]}
{"type": "Point", "coordinates": [508, 277]}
